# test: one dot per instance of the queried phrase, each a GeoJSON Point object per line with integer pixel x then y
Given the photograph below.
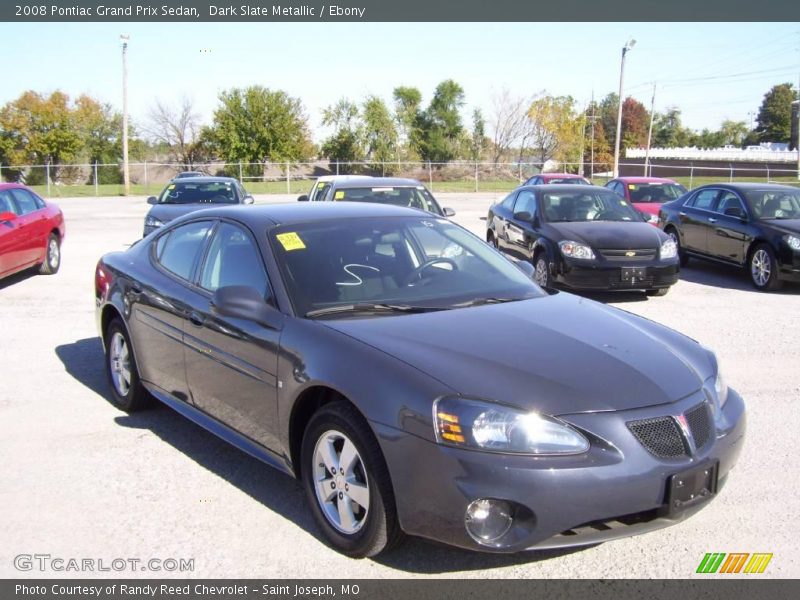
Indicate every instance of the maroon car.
{"type": "Point", "coordinates": [545, 178]}
{"type": "Point", "coordinates": [647, 194]}
{"type": "Point", "coordinates": [31, 231]}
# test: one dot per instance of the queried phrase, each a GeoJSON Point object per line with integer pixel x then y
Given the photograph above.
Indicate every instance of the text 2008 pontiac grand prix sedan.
{"type": "Point", "coordinates": [415, 379]}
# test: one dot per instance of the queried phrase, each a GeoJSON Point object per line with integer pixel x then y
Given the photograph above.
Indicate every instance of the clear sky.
{"type": "Point", "coordinates": [711, 71]}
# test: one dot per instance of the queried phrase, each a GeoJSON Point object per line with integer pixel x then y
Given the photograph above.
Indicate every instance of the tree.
{"type": "Point", "coordinates": [510, 123]}
{"type": "Point", "coordinates": [442, 128]}
{"type": "Point", "coordinates": [556, 130]}
{"type": "Point", "coordinates": [379, 132]}
{"type": "Point", "coordinates": [733, 133]}
{"type": "Point", "coordinates": [775, 114]}
{"type": "Point", "coordinates": [635, 123]}
{"type": "Point", "coordinates": [478, 141]}
{"type": "Point", "coordinates": [407, 102]}
{"type": "Point", "coordinates": [100, 129]}
{"type": "Point", "coordinates": [256, 124]}
{"type": "Point", "coordinates": [668, 131]}
{"type": "Point", "coordinates": [178, 129]}
{"type": "Point", "coordinates": [344, 144]}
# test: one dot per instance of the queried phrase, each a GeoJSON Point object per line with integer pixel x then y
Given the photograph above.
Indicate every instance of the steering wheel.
{"type": "Point", "coordinates": [426, 265]}
{"type": "Point", "coordinates": [606, 213]}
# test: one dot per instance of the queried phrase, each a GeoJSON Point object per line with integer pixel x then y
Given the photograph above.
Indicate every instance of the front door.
{"type": "Point", "coordinates": [694, 218]}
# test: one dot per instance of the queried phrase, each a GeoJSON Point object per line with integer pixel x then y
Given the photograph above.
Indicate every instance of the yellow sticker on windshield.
{"type": "Point", "coordinates": [290, 241]}
{"type": "Point", "coordinates": [631, 186]}
{"type": "Point", "coordinates": [172, 187]}
{"type": "Point", "coordinates": [338, 195]}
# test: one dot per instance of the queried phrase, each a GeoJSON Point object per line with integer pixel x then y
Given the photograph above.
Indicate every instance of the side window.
{"type": "Point", "coordinates": [320, 191]}
{"type": "Point", "coordinates": [25, 201]}
{"type": "Point", "coordinates": [526, 202]}
{"type": "Point", "coordinates": [179, 249]}
{"type": "Point", "coordinates": [704, 200]}
{"type": "Point", "coordinates": [729, 200]}
{"type": "Point", "coordinates": [6, 204]}
{"type": "Point", "coordinates": [508, 203]}
{"type": "Point", "coordinates": [619, 188]}
{"type": "Point", "coordinates": [233, 259]}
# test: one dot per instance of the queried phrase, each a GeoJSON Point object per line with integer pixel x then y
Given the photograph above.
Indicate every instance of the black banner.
{"type": "Point", "coordinates": [398, 11]}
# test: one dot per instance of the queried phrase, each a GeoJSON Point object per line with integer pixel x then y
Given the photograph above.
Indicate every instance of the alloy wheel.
{"type": "Point", "coordinates": [761, 267]}
{"type": "Point", "coordinates": [53, 254]}
{"type": "Point", "coordinates": [340, 482]}
{"type": "Point", "coordinates": [540, 274]}
{"type": "Point", "coordinates": [119, 364]}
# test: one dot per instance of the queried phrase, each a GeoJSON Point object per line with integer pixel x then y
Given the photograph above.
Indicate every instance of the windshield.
{"type": "Point", "coordinates": [413, 197]}
{"type": "Point", "coordinates": [398, 261]}
{"type": "Point", "coordinates": [560, 207]}
{"type": "Point", "coordinates": [655, 192]}
{"type": "Point", "coordinates": [189, 192]}
{"type": "Point", "coordinates": [769, 205]}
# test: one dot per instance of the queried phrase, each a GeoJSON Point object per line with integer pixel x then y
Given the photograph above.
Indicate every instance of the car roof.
{"type": "Point", "coordinates": [203, 179]}
{"type": "Point", "coordinates": [11, 185]}
{"type": "Point", "coordinates": [340, 177]}
{"type": "Point", "coordinates": [750, 186]}
{"type": "Point", "coordinates": [640, 179]}
{"type": "Point", "coordinates": [566, 187]}
{"type": "Point", "coordinates": [267, 215]}
{"type": "Point", "coordinates": [568, 175]}
{"type": "Point", "coordinates": [365, 182]}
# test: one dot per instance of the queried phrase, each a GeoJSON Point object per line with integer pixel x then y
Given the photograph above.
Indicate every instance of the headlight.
{"type": "Point", "coordinates": [793, 241]}
{"type": "Point", "coordinates": [576, 250]}
{"type": "Point", "coordinates": [721, 389]}
{"type": "Point", "coordinates": [651, 218]}
{"type": "Point", "coordinates": [669, 249]}
{"type": "Point", "coordinates": [495, 428]}
{"type": "Point", "coordinates": [152, 222]}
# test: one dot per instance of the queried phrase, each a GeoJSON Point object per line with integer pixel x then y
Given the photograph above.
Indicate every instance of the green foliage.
{"type": "Point", "coordinates": [379, 131]}
{"type": "Point", "coordinates": [408, 115]}
{"type": "Point", "coordinates": [256, 124]}
{"type": "Point", "coordinates": [775, 114]}
{"type": "Point", "coordinates": [344, 144]}
{"type": "Point", "coordinates": [441, 123]}
{"type": "Point", "coordinates": [478, 142]}
{"type": "Point", "coordinates": [555, 128]}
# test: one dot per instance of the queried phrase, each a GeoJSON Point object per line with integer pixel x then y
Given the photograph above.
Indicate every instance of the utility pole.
{"type": "Point", "coordinates": [126, 175]}
{"type": "Point", "coordinates": [650, 131]}
{"type": "Point", "coordinates": [625, 49]}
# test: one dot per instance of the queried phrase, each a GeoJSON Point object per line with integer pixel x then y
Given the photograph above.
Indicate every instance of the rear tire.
{"type": "Point", "coordinates": [127, 391]}
{"type": "Point", "coordinates": [52, 256]}
{"type": "Point", "coordinates": [342, 467]}
{"type": "Point", "coordinates": [658, 292]}
{"type": "Point", "coordinates": [763, 269]}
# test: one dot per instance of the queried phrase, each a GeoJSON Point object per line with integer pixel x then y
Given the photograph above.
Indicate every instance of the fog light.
{"type": "Point", "coordinates": [488, 520]}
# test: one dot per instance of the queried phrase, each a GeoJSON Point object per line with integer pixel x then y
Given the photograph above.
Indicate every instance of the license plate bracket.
{"type": "Point", "coordinates": [691, 487]}
{"type": "Point", "coordinates": [633, 274]}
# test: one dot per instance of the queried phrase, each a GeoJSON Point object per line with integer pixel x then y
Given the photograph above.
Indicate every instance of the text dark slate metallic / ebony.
{"type": "Point", "coordinates": [415, 379]}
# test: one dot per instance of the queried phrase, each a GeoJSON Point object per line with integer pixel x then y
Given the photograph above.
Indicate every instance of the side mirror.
{"type": "Point", "coordinates": [248, 199]}
{"type": "Point", "coordinates": [152, 200]}
{"type": "Point", "coordinates": [525, 267]}
{"type": "Point", "coordinates": [7, 217]}
{"type": "Point", "coordinates": [245, 302]}
{"type": "Point", "coordinates": [303, 198]}
{"type": "Point", "coordinates": [523, 216]}
{"type": "Point", "coordinates": [448, 212]}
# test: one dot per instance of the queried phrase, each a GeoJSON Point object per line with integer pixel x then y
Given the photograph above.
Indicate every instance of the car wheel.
{"type": "Point", "coordinates": [127, 391]}
{"type": "Point", "coordinates": [347, 482]}
{"type": "Point", "coordinates": [493, 241]}
{"type": "Point", "coordinates": [682, 256]}
{"type": "Point", "coordinates": [764, 269]}
{"type": "Point", "coordinates": [52, 256]}
{"type": "Point", "coordinates": [541, 271]}
{"type": "Point", "coordinates": [658, 292]}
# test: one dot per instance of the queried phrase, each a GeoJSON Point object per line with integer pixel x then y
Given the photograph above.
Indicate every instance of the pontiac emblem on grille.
{"type": "Point", "coordinates": [630, 253]}
{"type": "Point", "coordinates": [687, 433]}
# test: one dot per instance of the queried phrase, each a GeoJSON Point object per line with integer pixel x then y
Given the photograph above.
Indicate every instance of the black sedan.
{"type": "Point", "coordinates": [752, 225]}
{"type": "Point", "coordinates": [415, 379]}
{"type": "Point", "coordinates": [188, 194]}
{"type": "Point", "coordinates": [583, 237]}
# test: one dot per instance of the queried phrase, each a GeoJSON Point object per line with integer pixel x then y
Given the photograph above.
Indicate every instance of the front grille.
{"type": "Point", "coordinates": [699, 424]}
{"type": "Point", "coordinates": [640, 254]}
{"type": "Point", "coordinates": [639, 284]}
{"type": "Point", "coordinates": [661, 436]}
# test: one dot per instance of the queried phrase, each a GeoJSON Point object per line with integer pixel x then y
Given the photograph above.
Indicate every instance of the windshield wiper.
{"type": "Point", "coordinates": [369, 307]}
{"type": "Point", "coordinates": [482, 301]}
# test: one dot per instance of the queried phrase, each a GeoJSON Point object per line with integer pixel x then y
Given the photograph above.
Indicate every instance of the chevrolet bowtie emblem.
{"type": "Point", "coordinates": [630, 253]}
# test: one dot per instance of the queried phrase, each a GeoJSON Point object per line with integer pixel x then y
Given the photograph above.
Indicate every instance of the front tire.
{"type": "Point", "coordinates": [127, 391]}
{"type": "Point", "coordinates": [52, 256]}
{"type": "Point", "coordinates": [541, 272]}
{"type": "Point", "coordinates": [763, 269]}
{"type": "Point", "coordinates": [347, 482]}
{"type": "Point", "coordinates": [682, 256]}
{"type": "Point", "coordinates": [658, 292]}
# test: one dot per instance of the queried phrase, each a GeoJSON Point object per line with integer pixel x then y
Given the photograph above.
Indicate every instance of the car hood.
{"type": "Point", "coordinates": [166, 212]}
{"type": "Point", "coordinates": [612, 235]}
{"type": "Point", "coordinates": [557, 354]}
{"type": "Point", "coordinates": [791, 226]}
{"type": "Point", "coordinates": [651, 208]}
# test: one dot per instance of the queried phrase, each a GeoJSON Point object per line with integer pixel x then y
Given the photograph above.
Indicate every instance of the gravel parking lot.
{"type": "Point", "coordinates": [82, 480]}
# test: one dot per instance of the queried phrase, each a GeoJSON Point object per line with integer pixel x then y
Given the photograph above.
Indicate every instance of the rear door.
{"type": "Point", "coordinates": [33, 218]}
{"type": "Point", "coordinates": [231, 363]}
{"type": "Point", "coordinates": [696, 217]}
{"type": "Point", "coordinates": [728, 233]}
{"type": "Point", "coordinates": [12, 236]}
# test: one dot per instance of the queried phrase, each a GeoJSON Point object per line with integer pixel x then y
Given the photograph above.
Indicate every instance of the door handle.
{"type": "Point", "coordinates": [683, 214]}
{"type": "Point", "coordinates": [196, 319]}
{"type": "Point", "coordinates": [712, 220]}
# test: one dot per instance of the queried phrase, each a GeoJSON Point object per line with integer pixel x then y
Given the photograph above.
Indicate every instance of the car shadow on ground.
{"type": "Point", "coordinates": [283, 495]}
{"type": "Point", "coordinates": [725, 276]}
{"type": "Point", "coordinates": [613, 297]}
{"type": "Point", "coordinates": [17, 278]}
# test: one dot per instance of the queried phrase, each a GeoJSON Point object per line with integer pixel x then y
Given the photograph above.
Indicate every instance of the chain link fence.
{"type": "Point", "coordinates": [149, 178]}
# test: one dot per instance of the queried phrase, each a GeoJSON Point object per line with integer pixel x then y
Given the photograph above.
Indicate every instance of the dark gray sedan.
{"type": "Point", "coordinates": [415, 379]}
{"type": "Point", "coordinates": [188, 194]}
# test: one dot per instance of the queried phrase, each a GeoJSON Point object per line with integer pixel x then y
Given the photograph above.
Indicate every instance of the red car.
{"type": "Point", "coordinates": [31, 231]}
{"type": "Point", "coordinates": [647, 194]}
{"type": "Point", "coordinates": [545, 178]}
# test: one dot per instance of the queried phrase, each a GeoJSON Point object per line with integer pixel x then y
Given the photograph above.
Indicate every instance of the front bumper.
{"type": "Point", "coordinates": [608, 275]}
{"type": "Point", "coordinates": [615, 490]}
{"type": "Point", "coordinates": [788, 264]}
